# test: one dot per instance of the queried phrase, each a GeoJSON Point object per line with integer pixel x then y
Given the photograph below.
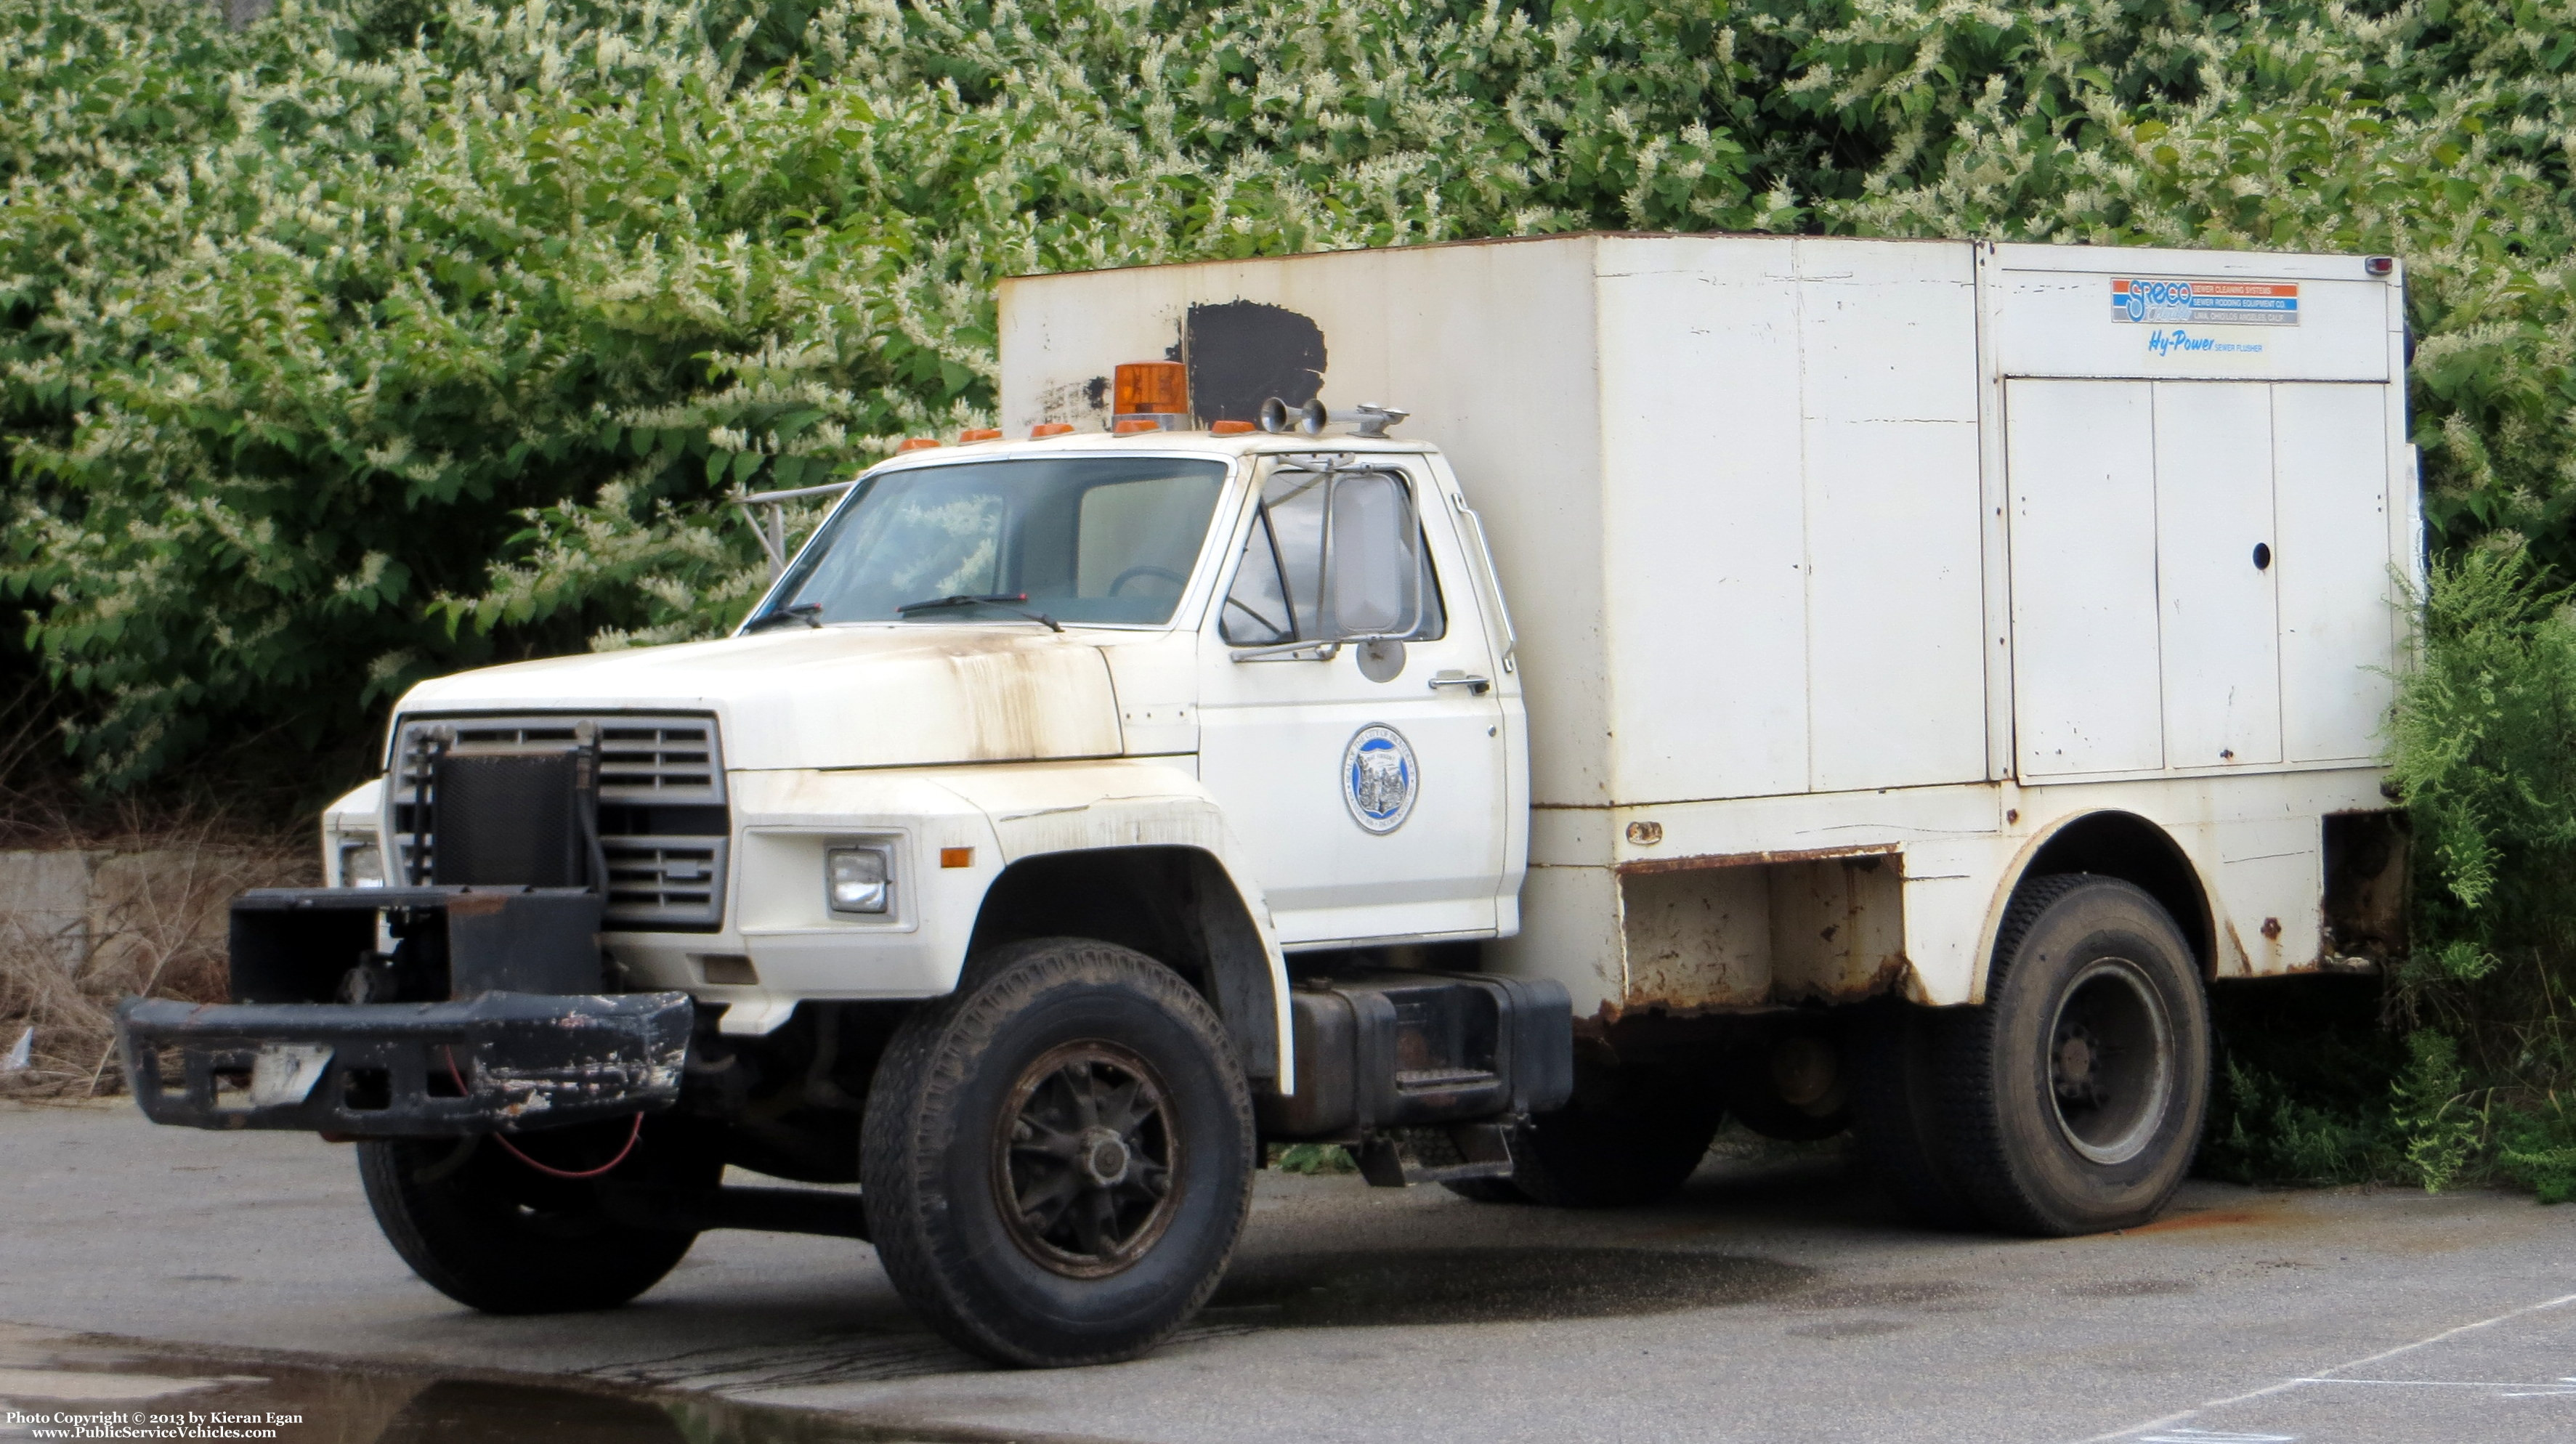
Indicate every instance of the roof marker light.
{"type": "Point", "coordinates": [980, 433]}
{"type": "Point", "coordinates": [917, 443]}
{"type": "Point", "coordinates": [2379, 265]}
{"type": "Point", "coordinates": [1050, 428]}
{"type": "Point", "coordinates": [1232, 428]}
{"type": "Point", "coordinates": [1151, 388]}
{"type": "Point", "coordinates": [1153, 395]}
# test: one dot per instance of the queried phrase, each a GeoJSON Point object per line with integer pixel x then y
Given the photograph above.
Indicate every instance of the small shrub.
{"type": "Point", "coordinates": [2537, 1147]}
{"type": "Point", "coordinates": [1312, 1158]}
{"type": "Point", "coordinates": [2483, 749]}
{"type": "Point", "coordinates": [2262, 1132]}
{"type": "Point", "coordinates": [2301, 1092]}
{"type": "Point", "coordinates": [2484, 756]}
{"type": "Point", "coordinates": [2433, 1115]}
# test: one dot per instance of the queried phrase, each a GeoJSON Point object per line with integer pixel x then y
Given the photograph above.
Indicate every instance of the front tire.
{"type": "Point", "coordinates": [2075, 1096]}
{"type": "Point", "coordinates": [1058, 1159]}
{"type": "Point", "coordinates": [494, 1234]}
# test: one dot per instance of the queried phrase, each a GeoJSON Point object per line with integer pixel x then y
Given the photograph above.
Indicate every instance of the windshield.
{"type": "Point", "coordinates": [1083, 539]}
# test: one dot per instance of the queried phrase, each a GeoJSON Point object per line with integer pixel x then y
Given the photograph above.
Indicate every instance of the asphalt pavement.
{"type": "Point", "coordinates": [146, 1269]}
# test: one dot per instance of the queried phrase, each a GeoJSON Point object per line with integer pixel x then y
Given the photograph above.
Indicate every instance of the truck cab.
{"type": "Point", "coordinates": [1162, 700]}
{"type": "Point", "coordinates": [994, 654]}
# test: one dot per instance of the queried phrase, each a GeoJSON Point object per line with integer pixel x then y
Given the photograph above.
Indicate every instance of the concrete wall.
{"type": "Point", "coordinates": [88, 909]}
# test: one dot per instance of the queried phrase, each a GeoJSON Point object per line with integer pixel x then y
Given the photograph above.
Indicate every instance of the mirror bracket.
{"type": "Point", "coordinates": [1310, 651]}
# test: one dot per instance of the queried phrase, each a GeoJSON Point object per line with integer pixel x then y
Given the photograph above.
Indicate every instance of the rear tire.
{"type": "Point", "coordinates": [493, 1234]}
{"type": "Point", "coordinates": [1630, 1135]}
{"type": "Point", "coordinates": [2074, 1098]}
{"type": "Point", "coordinates": [1058, 1159]}
{"type": "Point", "coordinates": [1791, 1083]}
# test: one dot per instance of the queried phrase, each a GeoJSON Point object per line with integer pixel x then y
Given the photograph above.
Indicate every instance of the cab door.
{"type": "Point", "coordinates": [1366, 778]}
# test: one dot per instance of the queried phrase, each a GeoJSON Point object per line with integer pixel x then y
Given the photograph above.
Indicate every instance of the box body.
{"type": "Point", "coordinates": [1913, 550]}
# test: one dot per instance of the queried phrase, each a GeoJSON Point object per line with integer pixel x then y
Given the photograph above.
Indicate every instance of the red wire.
{"type": "Point", "coordinates": [512, 1149]}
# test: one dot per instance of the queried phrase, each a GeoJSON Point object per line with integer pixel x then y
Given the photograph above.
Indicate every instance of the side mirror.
{"type": "Point", "coordinates": [1372, 572]}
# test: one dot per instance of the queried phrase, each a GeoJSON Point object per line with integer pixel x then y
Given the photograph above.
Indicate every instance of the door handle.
{"type": "Point", "coordinates": [1452, 677]}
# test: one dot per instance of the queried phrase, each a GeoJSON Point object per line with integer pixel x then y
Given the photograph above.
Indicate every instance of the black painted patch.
{"type": "Point", "coordinates": [1242, 353]}
{"type": "Point", "coordinates": [1096, 391]}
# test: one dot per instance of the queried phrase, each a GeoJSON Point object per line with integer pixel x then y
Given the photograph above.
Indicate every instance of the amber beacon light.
{"type": "Point", "coordinates": [1156, 393]}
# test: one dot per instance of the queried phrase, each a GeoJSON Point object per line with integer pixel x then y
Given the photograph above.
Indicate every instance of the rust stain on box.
{"type": "Point", "coordinates": [1706, 936]}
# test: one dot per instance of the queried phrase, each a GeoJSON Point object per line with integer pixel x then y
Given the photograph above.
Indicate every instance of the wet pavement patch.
{"type": "Point", "coordinates": [1934, 1296]}
{"type": "Point", "coordinates": [1492, 1285]}
{"type": "Point", "coordinates": [460, 1410]}
{"type": "Point", "coordinates": [2131, 1289]}
{"type": "Point", "coordinates": [117, 1384]}
{"type": "Point", "coordinates": [1849, 1329]}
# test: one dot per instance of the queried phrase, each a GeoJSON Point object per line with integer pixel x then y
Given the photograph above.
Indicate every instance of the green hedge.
{"type": "Point", "coordinates": [390, 336]}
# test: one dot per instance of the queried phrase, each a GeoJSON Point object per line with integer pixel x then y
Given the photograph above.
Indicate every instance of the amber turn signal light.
{"type": "Point", "coordinates": [957, 857]}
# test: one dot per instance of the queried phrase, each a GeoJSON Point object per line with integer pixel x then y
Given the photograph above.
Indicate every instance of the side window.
{"type": "Point", "coordinates": [1382, 578]}
{"type": "Point", "coordinates": [1257, 610]}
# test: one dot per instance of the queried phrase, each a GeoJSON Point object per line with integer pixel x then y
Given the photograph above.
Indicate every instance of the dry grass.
{"type": "Point", "coordinates": [155, 928]}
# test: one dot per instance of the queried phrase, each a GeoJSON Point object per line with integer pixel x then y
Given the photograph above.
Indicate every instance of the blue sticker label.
{"type": "Point", "coordinates": [1379, 778]}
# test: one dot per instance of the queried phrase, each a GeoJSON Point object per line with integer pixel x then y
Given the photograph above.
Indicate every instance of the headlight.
{"type": "Point", "coordinates": [858, 879]}
{"type": "Point", "coordinates": [362, 864]}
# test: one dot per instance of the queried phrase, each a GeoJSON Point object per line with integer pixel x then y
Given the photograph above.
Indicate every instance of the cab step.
{"type": "Point", "coordinates": [1399, 1157]}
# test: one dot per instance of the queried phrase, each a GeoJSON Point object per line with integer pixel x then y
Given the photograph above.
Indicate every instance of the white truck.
{"type": "Point", "coordinates": [1928, 667]}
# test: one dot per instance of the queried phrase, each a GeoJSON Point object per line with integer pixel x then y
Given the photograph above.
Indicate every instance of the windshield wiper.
{"type": "Point", "coordinates": [810, 613]}
{"type": "Point", "coordinates": [1006, 601]}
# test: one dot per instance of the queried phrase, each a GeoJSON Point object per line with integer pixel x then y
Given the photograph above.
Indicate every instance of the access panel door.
{"type": "Point", "coordinates": [2088, 674]}
{"type": "Point", "coordinates": [2215, 554]}
{"type": "Point", "coordinates": [2339, 624]}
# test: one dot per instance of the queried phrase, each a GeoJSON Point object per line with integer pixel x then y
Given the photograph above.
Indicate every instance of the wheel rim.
{"type": "Point", "coordinates": [1085, 1154]}
{"type": "Point", "coordinates": [2110, 1061]}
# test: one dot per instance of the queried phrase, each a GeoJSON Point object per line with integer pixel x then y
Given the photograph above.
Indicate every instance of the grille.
{"type": "Point", "coordinates": [663, 822]}
{"type": "Point", "coordinates": [665, 881]}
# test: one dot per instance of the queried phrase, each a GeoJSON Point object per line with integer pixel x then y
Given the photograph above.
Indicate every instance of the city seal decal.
{"type": "Point", "coordinates": [1379, 778]}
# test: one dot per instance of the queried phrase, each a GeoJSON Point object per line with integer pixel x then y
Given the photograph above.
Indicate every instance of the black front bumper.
{"type": "Point", "coordinates": [497, 1063]}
